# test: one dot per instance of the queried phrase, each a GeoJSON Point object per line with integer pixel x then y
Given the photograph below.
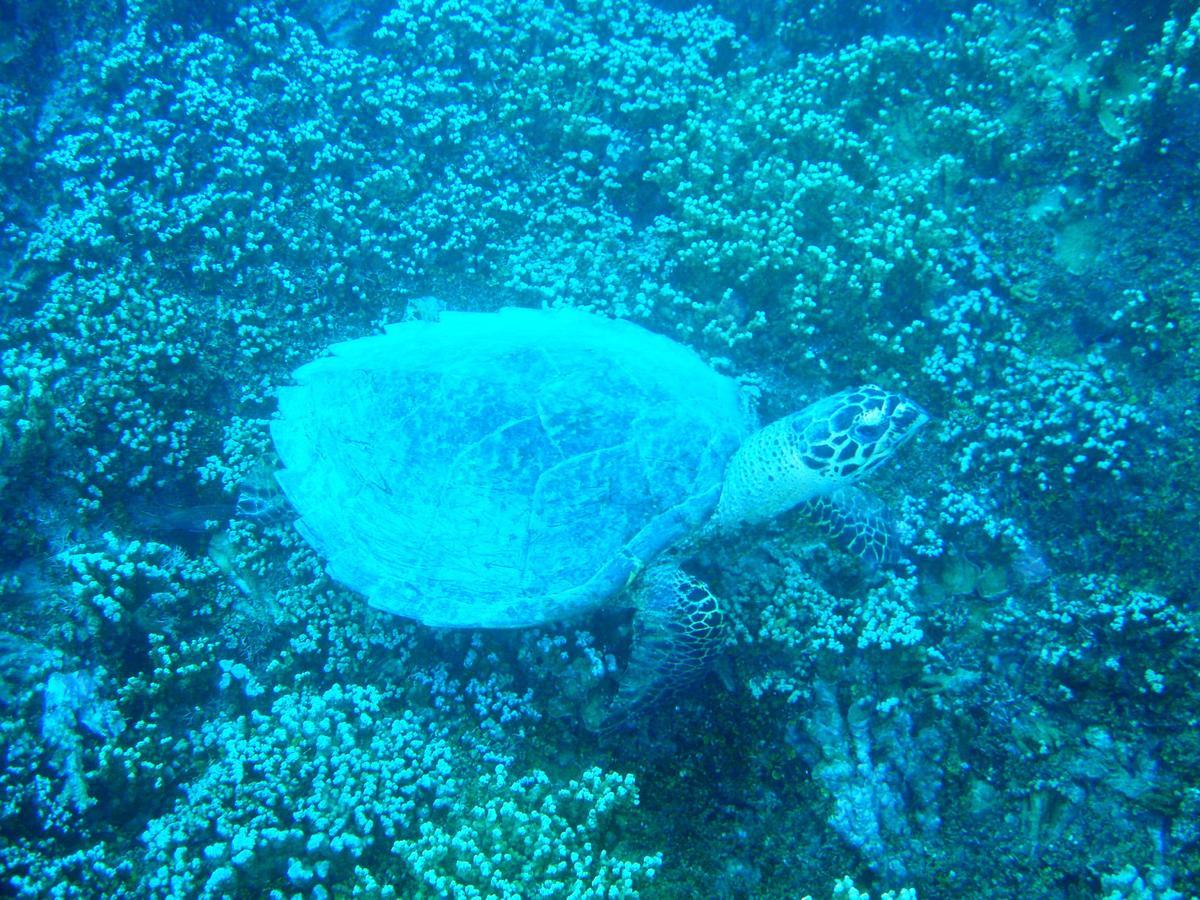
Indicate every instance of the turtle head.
{"type": "Point", "coordinates": [849, 434]}
{"type": "Point", "coordinates": [815, 451]}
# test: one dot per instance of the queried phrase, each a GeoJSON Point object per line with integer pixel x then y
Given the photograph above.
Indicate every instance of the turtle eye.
{"type": "Point", "coordinates": [873, 416]}
{"type": "Point", "coordinates": [871, 425]}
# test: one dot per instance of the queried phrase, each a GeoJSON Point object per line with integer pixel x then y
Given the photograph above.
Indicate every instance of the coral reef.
{"type": "Point", "coordinates": [987, 205]}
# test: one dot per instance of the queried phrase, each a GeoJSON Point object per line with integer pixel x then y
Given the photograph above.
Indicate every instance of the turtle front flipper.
{"type": "Point", "coordinates": [678, 628]}
{"type": "Point", "coordinates": [859, 522]}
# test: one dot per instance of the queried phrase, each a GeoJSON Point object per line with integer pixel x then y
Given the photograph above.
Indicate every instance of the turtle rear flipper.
{"type": "Point", "coordinates": [859, 522]}
{"type": "Point", "coordinates": [678, 628]}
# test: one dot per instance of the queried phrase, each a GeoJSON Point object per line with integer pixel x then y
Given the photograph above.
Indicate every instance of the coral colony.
{"type": "Point", "coordinates": [987, 207]}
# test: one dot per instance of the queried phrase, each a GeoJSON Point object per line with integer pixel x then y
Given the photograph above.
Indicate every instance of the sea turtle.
{"type": "Point", "coordinates": [513, 468]}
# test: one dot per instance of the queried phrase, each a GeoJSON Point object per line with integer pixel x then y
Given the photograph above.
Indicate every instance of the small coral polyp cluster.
{"type": "Point", "coordinates": [987, 206]}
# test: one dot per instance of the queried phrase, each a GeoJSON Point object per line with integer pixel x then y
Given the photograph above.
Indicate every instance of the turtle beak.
{"type": "Point", "coordinates": [908, 418]}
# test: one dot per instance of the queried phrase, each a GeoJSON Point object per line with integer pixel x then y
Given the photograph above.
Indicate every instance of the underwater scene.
{"type": "Point", "coordinates": [600, 448]}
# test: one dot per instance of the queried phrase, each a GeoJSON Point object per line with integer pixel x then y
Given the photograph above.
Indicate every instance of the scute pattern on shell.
{"type": "Point", "coordinates": [503, 469]}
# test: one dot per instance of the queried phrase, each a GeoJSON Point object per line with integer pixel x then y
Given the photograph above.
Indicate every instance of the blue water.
{"type": "Point", "coordinates": [989, 207]}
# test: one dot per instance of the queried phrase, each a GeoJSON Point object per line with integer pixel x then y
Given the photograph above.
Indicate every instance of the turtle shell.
{"type": "Point", "coordinates": [503, 469]}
